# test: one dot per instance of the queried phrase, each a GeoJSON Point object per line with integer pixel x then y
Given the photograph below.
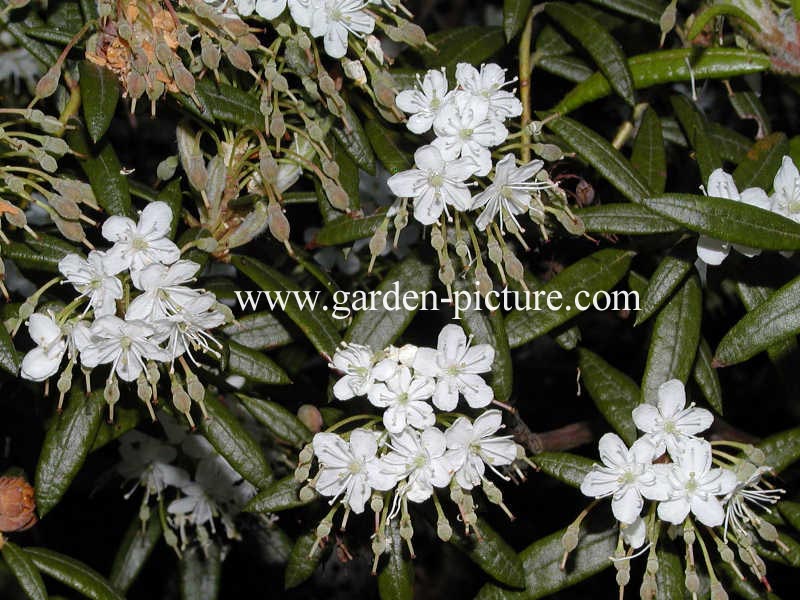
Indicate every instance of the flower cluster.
{"type": "Point", "coordinates": [137, 312]}
{"type": "Point", "coordinates": [417, 451]}
{"type": "Point", "coordinates": [688, 480]}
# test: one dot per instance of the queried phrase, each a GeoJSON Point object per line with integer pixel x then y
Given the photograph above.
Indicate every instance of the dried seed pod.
{"type": "Point", "coordinates": [278, 223]}
{"type": "Point", "coordinates": [72, 230]}
{"type": "Point", "coordinates": [310, 416]}
{"type": "Point", "coordinates": [55, 146]}
{"type": "Point", "coordinates": [65, 207]}
{"type": "Point", "coordinates": [47, 85]}
{"type": "Point", "coordinates": [183, 78]}
{"type": "Point", "coordinates": [17, 504]}
{"type": "Point", "coordinates": [238, 57]}
{"type": "Point", "coordinates": [209, 53]}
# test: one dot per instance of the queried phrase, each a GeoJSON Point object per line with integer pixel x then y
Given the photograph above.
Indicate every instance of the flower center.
{"type": "Point", "coordinates": [139, 243]}
{"type": "Point", "coordinates": [402, 398]}
{"type": "Point", "coordinates": [466, 133]}
{"type": "Point", "coordinates": [691, 485]}
{"type": "Point", "coordinates": [627, 478]}
{"type": "Point", "coordinates": [669, 427]}
{"type": "Point", "coordinates": [507, 192]}
{"type": "Point", "coordinates": [436, 179]}
{"type": "Point", "coordinates": [420, 461]}
{"type": "Point", "coordinates": [355, 467]}
{"type": "Point", "coordinates": [125, 342]}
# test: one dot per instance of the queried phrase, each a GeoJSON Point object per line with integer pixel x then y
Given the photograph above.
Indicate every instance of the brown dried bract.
{"type": "Point", "coordinates": [17, 504]}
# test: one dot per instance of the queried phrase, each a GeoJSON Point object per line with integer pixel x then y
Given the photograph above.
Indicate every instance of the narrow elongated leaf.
{"type": "Point", "coordinates": [28, 258]}
{"type": "Point", "coordinates": [702, 18]}
{"type": "Point", "coordinates": [647, 10]}
{"type": "Point", "coordinates": [673, 346]}
{"type": "Point", "coordinates": [567, 468]}
{"type": "Point", "coordinates": [706, 377]}
{"type": "Point", "coordinates": [279, 421]}
{"type": "Point", "coordinates": [761, 162]}
{"type": "Point", "coordinates": [754, 295]}
{"type": "Point", "coordinates": [671, 271]}
{"type": "Point", "coordinates": [201, 572]}
{"type": "Point", "coordinates": [599, 271]}
{"type": "Point", "coordinates": [136, 547]}
{"type": "Point", "coordinates": [302, 561]}
{"type": "Point", "coordinates": [396, 578]}
{"type": "Point", "coordinates": [614, 393]}
{"type": "Point", "coordinates": [748, 106]}
{"type": "Point", "coordinates": [734, 222]}
{"type": "Point", "coordinates": [66, 445]}
{"type": "Point", "coordinates": [315, 323]}
{"type": "Point", "coordinates": [354, 141]}
{"type": "Point", "coordinates": [73, 574]}
{"type": "Point", "coordinates": [670, 576]}
{"type": "Point", "coordinates": [224, 102]}
{"type": "Point", "coordinates": [9, 357]}
{"type": "Point", "coordinates": [492, 554]}
{"type": "Point", "coordinates": [649, 155]}
{"type": "Point", "coordinates": [234, 443]}
{"type": "Point", "coordinates": [781, 449]}
{"type": "Point", "coordinates": [732, 145]}
{"type": "Point", "coordinates": [348, 176]}
{"type": "Point", "coordinates": [695, 125]}
{"type": "Point", "coordinates": [542, 563]}
{"type": "Point", "coordinates": [666, 66]}
{"type": "Point", "coordinates": [99, 97]}
{"type": "Point", "coordinates": [44, 53]}
{"type": "Point", "coordinates": [624, 218]}
{"type": "Point", "coordinates": [279, 495]}
{"type": "Point", "coordinates": [25, 571]}
{"type": "Point", "coordinates": [600, 45]}
{"type": "Point", "coordinates": [255, 366]}
{"type": "Point", "coordinates": [601, 155]}
{"type": "Point", "coordinates": [343, 230]}
{"type": "Point", "coordinates": [171, 194]}
{"type": "Point", "coordinates": [387, 147]}
{"type": "Point", "coordinates": [514, 14]}
{"type": "Point", "coordinates": [570, 68]}
{"type": "Point", "coordinates": [463, 44]}
{"type": "Point", "coordinates": [400, 290]}
{"type": "Point", "coordinates": [258, 331]}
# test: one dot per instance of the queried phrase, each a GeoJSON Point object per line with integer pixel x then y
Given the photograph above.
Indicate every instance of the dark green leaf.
{"type": "Point", "coordinates": [728, 220]}
{"type": "Point", "coordinates": [614, 393]}
{"type": "Point", "coordinates": [759, 165]}
{"type": "Point", "coordinates": [9, 357]}
{"type": "Point", "coordinates": [44, 53]}
{"type": "Point", "coordinates": [671, 271]}
{"type": "Point", "coordinates": [26, 573]}
{"type": "Point", "coordinates": [348, 175]}
{"type": "Point", "coordinates": [695, 125]}
{"type": "Point", "coordinates": [732, 146]}
{"type": "Point", "coordinates": [603, 48]}
{"type": "Point", "coordinates": [649, 155]}
{"type": "Point", "coordinates": [353, 139]}
{"type": "Point", "coordinates": [673, 346]}
{"type": "Point", "coordinates": [403, 287]}
{"type": "Point", "coordinates": [567, 468]}
{"type": "Point", "coordinates": [346, 229]}
{"type": "Point", "coordinates": [748, 106]}
{"type": "Point", "coordinates": [570, 68]}
{"type": "Point", "coordinates": [255, 366]}
{"type": "Point", "coordinates": [279, 495]}
{"type": "Point", "coordinates": [396, 578]}
{"type": "Point", "coordinates": [135, 549]}
{"type": "Point", "coordinates": [471, 44]}
{"type": "Point", "coordinates": [386, 144]}
{"type": "Point", "coordinates": [28, 258]}
{"type": "Point", "coordinates": [258, 331]}
{"type": "Point", "coordinates": [706, 377]}
{"type": "Point", "coordinates": [279, 421]}
{"type": "Point", "coordinates": [99, 96]}
{"type": "Point", "coordinates": [201, 572]}
{"type": "Point", "coordinates": [302, 562]}
{"type": "Point", "coordinates": [492, 554]}
{"type": "Point", "coordinates": [234, 443]}
{"type": "Point", "coordinates": [647, 10]}
{"type": "Point", "coordinates": [224, 102]}
{"type": "Point", "coordinates": [669, 577]}
{"type": "Point", "coordinates": [599, 271]}
{"type": "Point", "coordinates": [514, 14]}
{"type": "Point", "coordinates": [781, 449]}
{"type": "Point", "coordinates": [73, 574]}
{"type": "Point", "coordinates": [702, 18]}
{"type": "Point", "coordinates": [754, 295]}
{"type": "Point", "coordinates": [624, 218]}
{"type": "Point", "coordinates": [171, 194]}
{"type": "Point", "coordinates": [66, 446]}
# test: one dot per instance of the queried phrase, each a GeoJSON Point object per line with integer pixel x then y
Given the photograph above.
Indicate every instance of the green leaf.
{"type": "Point", "coordinates": [201, 572]}
{"type": "Point", "coordinates": [345, 229]}
{"type": "Point", "coordinates": [695, 125]}
{"type": "Point", "coordinates": [600, 45]}
{"type": "Point", "coordinates": [104, 171]}
{"type": "Point", "coordinates": [667, 66]}
{"type": "Point", "coordinates": [224, 102]}
{"type": "Point", "coordinates": [669, 274]}
{"type": "Point", "coordinates": [279, 495]}
{"type": "Point", "coordinates": [570, 68]}
{"type": "Point", "coordinates": [125, 419]}
{"type": "Point", "coordinates": [676, 334]}
{"type": "Point", "coordinates": [172, 195]}
{"type": "Point", "coordinates": [706, 377]}
{"type": "Point", "coordinates": [386, 144]}
{"type": "Point", "coordinates": [26, 573]}
{"type": "Point", "coordinates": [354, 141]}
{"type": "Point", "coordinates": [514, 14]}
{"type": "Point", "coordinates": [728, 220]}
{"type": "Point", "coordinates": [649, 155]}
{"type": "Point", "coordinates": [470, 44]}
{"type": "Point", "coordinates": [315, 324]}
{"type": "Point", "coordinates": [647, 10]}
{"type": "Point", "coordinates": [748, 106]}
{"type": "Point", "coordinates": [255, 366]}
{"type": "Point", "coordinates": [279, 421]}
{"type": "Point", "coordinates": [614, 393]}
{"type": "Point", "coordinates": [234, 443]}
{"type": "Point", "coordinates": [396, 578]}
{"type": "Point", "coordinates": [73, 574]}
{"type": "Point", "coordinates": [702, 18]}
{"type": "Point", "coordinates": [134, 550]}
{"type": "Point", "coordinates": [598, 272]}
{"type": "Point", "coordinates": [567, 468]}
{"type": "Point", "coordinates": [791, 512]}
{"type": "Point", "coordinates": [600, 154]}
{"type": "Point", "coordinates": [761, 162]}
{"type": "Point", "coordinates": [403, 287]}
{"type": "Point", "coordinates": [754, 295]}
{"type": "Point", "coordinates": [302, 562]}
{"type": "Point", "coordinates": [10, 359]}
{"type": "Point", "coordinates": [542, 563]}
{"type": "Point", "coordinates": [781, 449]}
{"type": "Point", "coordinates": [66, 446]}
{"type": "Point", "coordinates": [669, 577]}
{"type": "Point", "coordinates": [99, 96]}
{"type": "Point", "coordinates": [28, 258]}
{"type": "Point", "coordinates": [258, 331]}
{"type": "Point", "coordinates": [44, 53]}
{"type": "Point", "coordinates": [492, 554]}
{"type": "Point", "coordinates": [624, 218]}
{"type": "Point", "coordinates": [348, 175]}
{"type": "Point", "coordinates": [732, 146]}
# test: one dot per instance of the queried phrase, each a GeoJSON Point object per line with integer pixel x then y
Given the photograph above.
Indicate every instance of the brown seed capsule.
{"type": "Point", "coordinates": [584, 193]}
{"type": "Point", "coordinates": [183, 79]}
{"type": "Point", "coordinates": [17, 504]}
{"type": "Point", "coordinates": [65, 207]}
{"type": "Point", "coordinates": [209, 53]}
{"type": "Point", "coordinates": [238, 57]}
{"type": "Point", "coordinates": [49, 82]}
{"type": "Point", "coordinates": [278, 223]}
{"type": "Point", "coordinates": [310, 416]}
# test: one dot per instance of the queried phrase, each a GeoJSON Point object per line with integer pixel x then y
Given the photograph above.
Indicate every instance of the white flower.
{"type": "Point", "coordinates": [786, 190]}
{"type": "Point", "coordinates": [510, 192]}
{"type": "Point", "coordinates": [189, 329]}
{"type": "Point", "coordinates": [456, 367]}
{"type": "Point", "coordinates": [147, 460]}
{"type": "Point", "coordinates": [137, 245]}
{"type": "Point", "coordinates": [749, 490]}
{"type": "Point", "coordinates": [423, 103]}
{"type": "Point", "coordinates": [472, 446]}
{"type": "Point", "coordinates": [695, 486]}
{"type": "Point", "coordinates": [404, 398]}
{"type": "Point", "coordinates": [419, 459]}
{"type": "Point", "coordinates": [634, 533]}
{"type": "Point", "coordinates": [721, 185]}
{"type": "Point", "coordinates": [403, 355]}
{"type": "Point", "coordinates": [301, 11]}
{"type": "Point", "coordinates": [164, 293]}
{"type": "Point", "coordinates": [626, 475]}
{"type": "Point", "coordinates": [670, 424]}
{"type": "Point", "coordinates": [357, 362]}
{"type": "Point", "coordinates": [43, 361]}
{"type": "Point", "coordinates": [350, 468]}
{"type": "Point", "coordinates": [124, 344]}
{"type": "Point", "coordinates": [488, 85]}
{"type": "Point", "coordinates": [334, 19]}
{"type": "Point", "coordinates": [91, 279]}
{"type": "Point", "coordinates": [434, 184]}
{"type": "Point", "coordinates": [463, 128]}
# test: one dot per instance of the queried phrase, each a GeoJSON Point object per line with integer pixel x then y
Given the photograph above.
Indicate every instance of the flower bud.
{"type": "Point", "coordinates": [49, 82]}
{"type": "Point", "coordinates": [55, 146]}
{"type": "Point", "coordinates": [336, 195]}
{"type": "Point", "coordinates": [306, 494]}
{"type": "Point", "coordinates": [111, 395]}
{"type": "Point", "coordinates": [238, 57]}
{"type": "Point", "coordinates": [17, 504]}
{"type": "Point", "coordinates": [72, 230]}
{"type": "Point", "coordinates": [355, 71]}
{"type": "Point", "coordinates": [376, 503]}
{"type": "Point", "coordinates": [277, 127]}
{"type": "Point", "coordinates": [443, 529]}
{"type": "Point", "coordinates": [278, 223]}
{"type": "Point", "coordinates": [183, 79]}
{"type": "Point", "coordinates": [284, 30]}
{"type": "Point", "coordinates": [166, 168]}
{"type": "Point", "coordinates": [47, 162]}
{"type": "Point", "coordinates": [306, 454]}
{"type": "Point", "coordinates": [717, 591]}
{"type": "Point", "coordinates": [623, 576]}
{"type": "Point", "coordinates": [569, 541]}
{"type": "Point", "coordinates": [302, 472]}
{"type": "Point", "coordinates": [209, 53]}
{"type": "Point", "coordinates": [766, 530]}
{"type": "Point", "coordinates": [310, 416]}
{"type": "Point", "coordinates": [691, 581]}
{"type": "Point", "coordinates": [64, 207]}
